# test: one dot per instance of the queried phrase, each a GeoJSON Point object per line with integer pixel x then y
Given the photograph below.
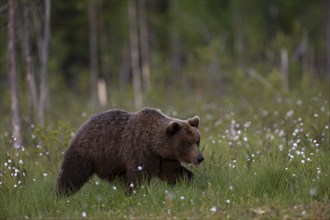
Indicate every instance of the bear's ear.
{"type": "Point", "coordinates": [173, 127]}
{"type": "Point", "coordinates": [194, 121]}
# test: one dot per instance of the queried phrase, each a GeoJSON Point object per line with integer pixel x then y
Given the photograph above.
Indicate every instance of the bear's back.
{"type": "Point", "coordinates": [151, 117]}
{"type": "Point", "coordinates": [101, 130]}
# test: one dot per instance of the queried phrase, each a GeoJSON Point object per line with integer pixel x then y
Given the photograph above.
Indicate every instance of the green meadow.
{"type": "Point", "coordinates": [267, 156]}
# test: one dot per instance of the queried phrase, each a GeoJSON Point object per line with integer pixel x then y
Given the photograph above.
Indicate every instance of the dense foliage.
{"type": "Point", "coordinates": [192, 44]}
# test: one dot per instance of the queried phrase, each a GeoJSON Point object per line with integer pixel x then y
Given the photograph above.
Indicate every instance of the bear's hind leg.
{"type": "Point", "coordinates": [75, 172]}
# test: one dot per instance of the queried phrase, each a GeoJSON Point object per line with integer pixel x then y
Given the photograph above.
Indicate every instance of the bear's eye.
{"type": "Point", "coordinates": [187, 144]}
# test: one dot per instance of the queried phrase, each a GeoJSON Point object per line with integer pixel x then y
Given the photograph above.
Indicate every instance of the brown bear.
{"type": "Point", "coordinates": [132, 147]}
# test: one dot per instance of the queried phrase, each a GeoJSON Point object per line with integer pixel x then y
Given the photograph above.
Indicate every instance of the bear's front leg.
{"type": "Point", "coordinates": [172, 171]}
{"type": "Point", "coordinates": [136, 179]}
{"type": "Point", "coordinates": [75, 172]}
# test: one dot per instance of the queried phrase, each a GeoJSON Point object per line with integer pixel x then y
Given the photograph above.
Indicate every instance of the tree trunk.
{"type": "Point", "coordinates": [105, 64]}
{"type": "Point", "coordinates": [93, 58]}
{"type": "Point", "coordinates": [175, 44]}
{"type": "Point", "coordinates": [305, 53]}
{"type": "Point", "coordinates": [124, 69]}
{"type": "Point", "coordinates": [285, 68]}
{"type": "Point", "coordinates": [238, 9]}
{"type": "Point", "coordinates": [328, 37]}
{"type": "Point", "coordinates": [43, 63]}
{"type": "Point", "coordinates": [14, 107]}
{"type": "Point", "coordinates": [144, 44]}
{"type": "Point", "coordinates": [102, 93]}
{"type": "Point", "coordinates": [175, 53]}
{"type": "Point", "coordinates": [32, 90]}
{"type": "Point", "coordinates": [134, 52]}
{"type": "Point", "coordinates": [311, 62]}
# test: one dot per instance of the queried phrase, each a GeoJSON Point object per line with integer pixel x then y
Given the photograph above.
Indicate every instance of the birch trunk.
{"type": "Point", "coordinates": [104, 82]}
{"type": "Point", "coordinates": [11, 55]}
{"type": "Point", "coordinates": [134, 52]}
{"type": "Point", "coordinates": [93, 58]}
{"type": "Point", "coordinates": [144, 44]}
{"type": "Point", "coordinates": [238, 33]}
{"type": "Point", "coordinates": [43, 63]}
{"type": "Point", "coordinates": [124, 71]}
{"type": "Point", "coordinates": [175, 42]}
{"type": "Point", "coordinates": [285, 69]}
{"type": "Point", "coordinates": [32, 90]}
{"type": "Point", "coordinates": [328, 37]}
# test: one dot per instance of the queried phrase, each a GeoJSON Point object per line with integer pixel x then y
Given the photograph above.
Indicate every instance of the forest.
{"type": "Point", "coordinates": [256, 72]}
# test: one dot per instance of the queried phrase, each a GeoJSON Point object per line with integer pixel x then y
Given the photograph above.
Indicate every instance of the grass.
{"type": "Point", "coordinates": [265, 157]}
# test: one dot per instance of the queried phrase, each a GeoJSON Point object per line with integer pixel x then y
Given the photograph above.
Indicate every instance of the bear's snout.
{"type": "Point", "coordinates": [197, 160]}
{"type": "Point", "coordinates": [200, 159]}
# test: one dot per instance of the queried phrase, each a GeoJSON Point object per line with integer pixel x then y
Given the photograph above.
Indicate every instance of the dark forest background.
{"type": "Point", "coordinates": [97, 54]}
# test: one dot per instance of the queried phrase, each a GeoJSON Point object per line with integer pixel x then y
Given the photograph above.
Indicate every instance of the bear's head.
{"type": "Point", "coordinates": [183, 139]}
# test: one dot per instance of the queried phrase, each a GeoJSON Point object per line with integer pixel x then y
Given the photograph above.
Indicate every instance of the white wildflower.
{"type": "Point", "coordinates": [313, 191]}
{"type": "Point", "coordinates": [291, 157]}
{"type": "Point", "coordinates": [289, 113]}
{"type": "Point", "coordinates": [213, 209]}
{"type": "Point", "coordinates": [280, 147]}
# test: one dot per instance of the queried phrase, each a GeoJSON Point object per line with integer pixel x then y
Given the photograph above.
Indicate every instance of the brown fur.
{"type": "Point", "coordinates": [131, 146]}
